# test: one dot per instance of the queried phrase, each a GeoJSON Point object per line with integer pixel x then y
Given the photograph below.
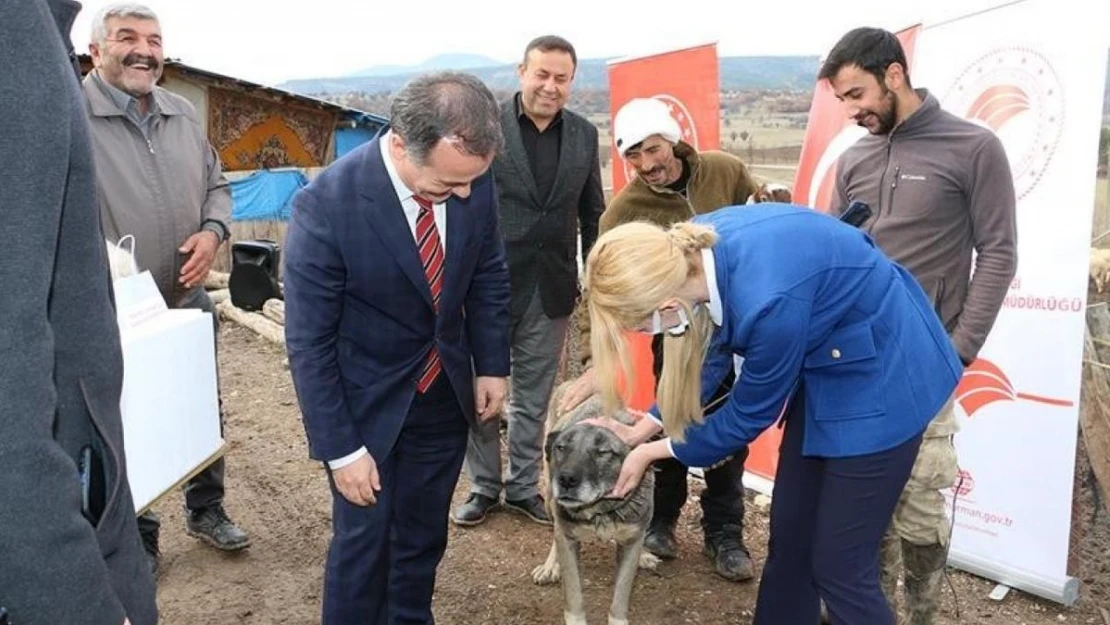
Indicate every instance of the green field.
{"type": "Point", "coordinates": [782, 174]}
{"type": "Point", "coordinates": [764, 131]}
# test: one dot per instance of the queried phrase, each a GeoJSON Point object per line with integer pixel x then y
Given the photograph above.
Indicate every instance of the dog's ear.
{"type": "Point", "coordinates": [548, 444]}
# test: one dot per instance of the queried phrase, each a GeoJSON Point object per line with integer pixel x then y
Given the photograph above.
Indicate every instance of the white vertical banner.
{"type": "Point", "coordinates": [1033, 73]}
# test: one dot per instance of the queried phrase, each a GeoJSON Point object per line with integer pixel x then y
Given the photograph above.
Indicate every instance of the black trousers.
{"type": "Point", "coordinates": [382, 560]}
{"type": "Point", "coordinates": [207, 488]}
{"type": "Point", "coordinates": [722, 502]}
{"type": "Point", "coordinates": [828, 517]}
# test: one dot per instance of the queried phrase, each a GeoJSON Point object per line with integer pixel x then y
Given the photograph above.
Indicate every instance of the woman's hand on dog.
{"type": "Point", "coordinates": [359, 482]}
{"type": "Point", "coordinates": [578, 391]}
{"type": "Point", "coordinates": [632, 435]}
{"type": "Point", "coordinates": [636, 463]}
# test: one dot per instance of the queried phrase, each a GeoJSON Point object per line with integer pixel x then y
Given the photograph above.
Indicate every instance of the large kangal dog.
{"type": "Point", "coordinates": [582, 463]}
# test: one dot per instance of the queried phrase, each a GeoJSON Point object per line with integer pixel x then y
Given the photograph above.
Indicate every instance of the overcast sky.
{"type": "Point", "coordinates": [267, 41]}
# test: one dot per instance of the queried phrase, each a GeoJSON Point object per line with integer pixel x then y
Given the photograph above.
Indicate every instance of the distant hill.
{"type": "Point", "coordinates": [737, 73]}
{"type": "Point", "coordinates": [439, 62]}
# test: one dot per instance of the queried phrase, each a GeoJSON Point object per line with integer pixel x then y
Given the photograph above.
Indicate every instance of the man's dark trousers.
{"type": "Point", "coordinates": [382, 560]}
{"type": "Point", "coordinates": [722, 501]}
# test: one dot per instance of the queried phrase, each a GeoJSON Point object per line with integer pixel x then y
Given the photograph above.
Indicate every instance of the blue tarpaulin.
{"type": "Point", "coordinates": [363, 127]}
{"type": "Point", "coordinates": [347, 139]}
{"type": "Point", "coordinates": [265, 195]}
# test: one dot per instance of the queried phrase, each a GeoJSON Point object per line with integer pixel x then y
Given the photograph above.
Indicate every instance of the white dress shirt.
{"type": "Point", "coordinates": [709, 265]}
{"type": "Point", "coordinates": [411, 209]}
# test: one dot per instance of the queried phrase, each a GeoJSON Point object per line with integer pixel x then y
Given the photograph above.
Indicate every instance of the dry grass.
{"type": "Point", "coordinates": [1100, 222]}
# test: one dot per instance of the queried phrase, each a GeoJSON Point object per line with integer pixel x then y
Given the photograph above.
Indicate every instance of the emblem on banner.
{"type": "Point", "coordinates": [1017, 94]}
{"type": "Point", "coordinates": [681, 114]}
{"type": "Point", "coordinates": [984, 383]}
{"type": "Point", "coordinates": [965, 483]}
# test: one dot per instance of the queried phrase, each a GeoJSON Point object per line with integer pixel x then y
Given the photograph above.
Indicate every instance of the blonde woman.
{"type": "Point", "coordinates": [835, 337]}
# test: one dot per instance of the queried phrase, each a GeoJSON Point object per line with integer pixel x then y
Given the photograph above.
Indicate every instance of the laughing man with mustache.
{"type": "Point", "coordinates": [160, 180]}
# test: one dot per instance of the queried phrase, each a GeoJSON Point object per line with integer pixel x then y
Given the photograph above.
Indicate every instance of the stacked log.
{"type": "Point", "coordinates": [262, 325]}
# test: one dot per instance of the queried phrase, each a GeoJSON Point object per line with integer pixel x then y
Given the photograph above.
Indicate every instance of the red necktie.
{"type": "Point", "coordinates": [431, 256]}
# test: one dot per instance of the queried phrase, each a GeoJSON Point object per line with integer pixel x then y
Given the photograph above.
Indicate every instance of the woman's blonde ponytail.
{"type": "Point", "coordinates": [631, 271]}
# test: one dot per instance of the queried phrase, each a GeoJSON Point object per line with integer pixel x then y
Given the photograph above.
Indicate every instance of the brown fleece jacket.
{"type": "Point", "coordinates": [940, 187]}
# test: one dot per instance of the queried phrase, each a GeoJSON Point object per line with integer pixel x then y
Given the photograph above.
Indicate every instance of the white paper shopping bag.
{"type": "Point", "coordinates": [137, 296]}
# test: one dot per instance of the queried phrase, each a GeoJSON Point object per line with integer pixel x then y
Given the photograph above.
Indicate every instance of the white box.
{"type": "Point", "coordinates": [170, 406]}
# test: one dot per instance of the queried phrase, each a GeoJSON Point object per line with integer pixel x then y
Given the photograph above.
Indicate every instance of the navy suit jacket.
{"type": "Point", "coordinates": [808, 298]}
{"type": "Point", "coordinates": [359, 321]}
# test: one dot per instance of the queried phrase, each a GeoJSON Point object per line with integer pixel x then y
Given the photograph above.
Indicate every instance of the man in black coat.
{"type": "Point", "coordinates": [549, 184]}
{"type": "Point", "coordinates": [62, 369]}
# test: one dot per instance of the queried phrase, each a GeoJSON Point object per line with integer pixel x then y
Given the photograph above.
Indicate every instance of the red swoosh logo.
{"type": "Point", "coordinates": [984, 383]}
{"type": "Point", "coordinates": [998, 105]}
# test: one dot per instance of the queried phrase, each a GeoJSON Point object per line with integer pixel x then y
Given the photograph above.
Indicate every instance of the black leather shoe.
{"type": "Point", "coordinates": [533, 508]}
{"type": "Point", "coordinates": [152, 562]}
{"type": "Point", "coordinates": [213, 526]}
{"type": "Point", "coordinates": [149, 538]}
{"type": "Point", "coordinates": [726, 550]}
{"type": "Point", "coordinates": [474, 510]}
{"type": "Point", "coordinates": [660, 540]}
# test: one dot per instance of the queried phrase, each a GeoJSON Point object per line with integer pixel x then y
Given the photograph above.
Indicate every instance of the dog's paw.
{"type": "Point", "coordinates": [575, 619]}
{"type": "Point", "coordinates": [546, 573]}
{"type": "Point", "coordinates": [648, 560]}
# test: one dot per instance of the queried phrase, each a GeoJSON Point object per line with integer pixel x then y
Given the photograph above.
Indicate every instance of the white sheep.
{"type": "Point", "coordinates": [1100, 268]}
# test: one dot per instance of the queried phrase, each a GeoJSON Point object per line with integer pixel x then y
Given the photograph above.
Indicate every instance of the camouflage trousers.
{"type": "Point", "coordinates": [916, 544]}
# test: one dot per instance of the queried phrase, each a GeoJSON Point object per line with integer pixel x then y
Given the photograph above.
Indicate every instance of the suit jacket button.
{"type": "Point", "coordinates": [835, 353]}
{"type": "Point", "coordinates": [539, 246]}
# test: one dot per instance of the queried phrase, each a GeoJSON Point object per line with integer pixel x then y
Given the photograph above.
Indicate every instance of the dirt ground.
{"type": "Point", "coordinates": [282, 498]}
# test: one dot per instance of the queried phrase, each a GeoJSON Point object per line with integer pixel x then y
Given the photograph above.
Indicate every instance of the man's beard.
{"type": "Point", "coordinates": [887, 118]}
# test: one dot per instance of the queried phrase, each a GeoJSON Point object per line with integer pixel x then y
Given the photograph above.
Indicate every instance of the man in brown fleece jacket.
{"type": "Point", "coordinates": [672, 183]}
{"type": "Point", "coordinates": [940, 187]}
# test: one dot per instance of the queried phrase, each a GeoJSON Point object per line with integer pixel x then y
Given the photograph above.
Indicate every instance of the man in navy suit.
{"type": "Point", "coordinates": [397, 327]}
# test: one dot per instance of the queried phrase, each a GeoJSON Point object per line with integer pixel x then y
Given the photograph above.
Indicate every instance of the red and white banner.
{"type": "Point", "coordinates": [688, 80]}
{"type": "Point", "coordinates": [1035, 76]}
